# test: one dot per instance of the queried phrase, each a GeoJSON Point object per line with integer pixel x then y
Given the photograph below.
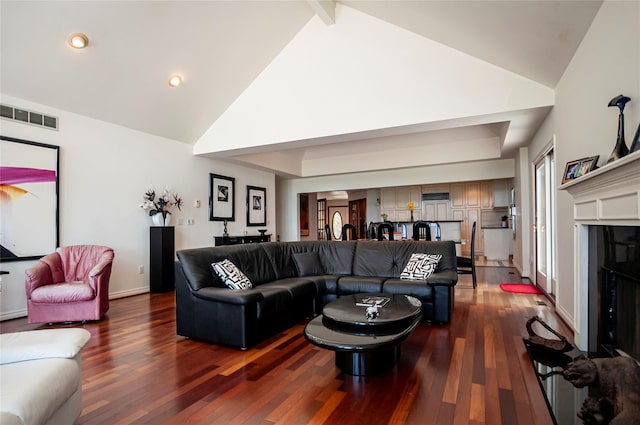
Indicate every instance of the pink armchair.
{"type": "Point", "coordinates": [72, 284]}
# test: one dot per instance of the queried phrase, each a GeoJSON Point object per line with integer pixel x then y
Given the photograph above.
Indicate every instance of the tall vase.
{"type": "Point", "coordinates": [167, 220]}
{"type": "Point", "coordinates": [157, 220]}
{"type": "Point", "coordinates": [412, 216]}
{"type": "Point", "coordinates": [620, 149]}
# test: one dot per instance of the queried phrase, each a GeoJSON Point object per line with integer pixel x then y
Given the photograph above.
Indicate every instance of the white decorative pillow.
{"type": "Point", "coordinates": [420, 266]}
{"type": "Point", "coordinates": [231, 275]}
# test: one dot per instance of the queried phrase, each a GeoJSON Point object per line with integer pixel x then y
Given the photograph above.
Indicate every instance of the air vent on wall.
{"type": "Point", "coordinates": [438, 196]}
{"type": "Point", "coordinates": [28, 117]}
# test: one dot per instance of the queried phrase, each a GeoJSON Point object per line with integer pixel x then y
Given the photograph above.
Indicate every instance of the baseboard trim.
{"type": "Point", "coordinates": [15, 314]}
{"type": "Point", "coordinates": [129, 293]}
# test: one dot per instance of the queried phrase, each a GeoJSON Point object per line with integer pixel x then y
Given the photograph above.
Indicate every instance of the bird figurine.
{"type": "Point", "coordinates": [620, 149]}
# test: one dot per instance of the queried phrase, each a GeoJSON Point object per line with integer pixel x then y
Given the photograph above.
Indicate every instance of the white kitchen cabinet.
{"type": "Point", "coordinates": [435, 188]}
{"type": "Point", "coordinates": [408, 194]}
{"type": "Point", "coordinates": [468, 216]}
{"type": "Point", "coordinates": [497, 243]}
{"type": "Point", "coordinates": [501, 193]}
{"type": "Point", "coordinates": [472, 192]}
{"type": "Point", "coordinates": [435, 210]}
{"type": "Point", "coordinates": [388, 199]}
{"type": "Point", "coordinates": [457, 195]}
{"type": "Point", "coordinates": [402, 215]}
{"type": "Point", "coordinates": [486, 195]}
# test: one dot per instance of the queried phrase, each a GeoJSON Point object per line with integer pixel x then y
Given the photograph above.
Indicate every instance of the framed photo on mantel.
{"type": "Point", "coordinates": [579, 167]}
{"type": "Point", "coordinates": [256, 206]}
{"type": "Point", "coordinates": [221, 198]}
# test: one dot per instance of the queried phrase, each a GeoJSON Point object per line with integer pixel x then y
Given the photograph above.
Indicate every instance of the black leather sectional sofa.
{"type": "Point", "coordinates": [286, 291]}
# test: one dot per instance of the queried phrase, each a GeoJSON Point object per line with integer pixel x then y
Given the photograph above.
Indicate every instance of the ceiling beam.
{"type": "Point", "coordinates": [325, 9]}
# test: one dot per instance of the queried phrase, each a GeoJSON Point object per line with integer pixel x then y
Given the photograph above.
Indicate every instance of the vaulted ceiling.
{"type": "Point", "coordinates": [302, 88]}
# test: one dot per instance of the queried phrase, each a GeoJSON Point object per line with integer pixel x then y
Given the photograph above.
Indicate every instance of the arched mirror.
{"type": "Point", "coordinates": [336, 225]}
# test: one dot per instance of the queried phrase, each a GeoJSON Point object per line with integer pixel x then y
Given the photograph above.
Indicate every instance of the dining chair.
{"type": "Point", "coordinates": [421, 231]}
{"type": "Point", "coordinates": [382, 227]}
{"type": "Point", "coordinates": [468, 265]}
{"type": "Point", "coordinates": [345, 232]}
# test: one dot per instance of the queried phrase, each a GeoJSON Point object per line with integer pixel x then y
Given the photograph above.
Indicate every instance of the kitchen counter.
{"type": "Point", "coordinates": [498, 242]}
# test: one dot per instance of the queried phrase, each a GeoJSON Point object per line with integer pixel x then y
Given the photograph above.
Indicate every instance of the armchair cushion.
{"type": "Point", "coordinates": [63, 293]}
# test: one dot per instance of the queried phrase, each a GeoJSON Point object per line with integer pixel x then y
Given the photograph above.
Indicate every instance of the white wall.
{"type": "Point", "coordinates": [104, 171]}
{"type": "Point", "coordinates": [521, 245]}
{"type": "Point", "coordinates": [373, 205]}
{"type": "Point", "coordinates": [606, 64]}
{"type": "Point", "coordinates": [353, 65]}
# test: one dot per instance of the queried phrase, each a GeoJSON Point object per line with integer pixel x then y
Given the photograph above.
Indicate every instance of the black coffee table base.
{"type": "Point", "coordinates": [365, 346]}
{"type": "Point", "coordinates": [367, 362]}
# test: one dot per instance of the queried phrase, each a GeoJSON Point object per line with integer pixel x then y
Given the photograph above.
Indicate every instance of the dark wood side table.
{"type": "Point", "coordinates": [237, 240]}
{"type": "Point", "coordinates": [161, 259]}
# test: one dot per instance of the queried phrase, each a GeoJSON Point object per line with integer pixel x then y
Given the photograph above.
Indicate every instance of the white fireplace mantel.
{"type": "Point", "coordinates": [609, 195]}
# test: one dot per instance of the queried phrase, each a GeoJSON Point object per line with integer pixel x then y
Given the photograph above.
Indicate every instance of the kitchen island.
{"type": "Point", "coordinates": [498, 242]}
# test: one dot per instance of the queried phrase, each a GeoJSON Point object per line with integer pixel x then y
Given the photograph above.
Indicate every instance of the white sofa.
{"type": "Point", "coordinates": [41, 376]}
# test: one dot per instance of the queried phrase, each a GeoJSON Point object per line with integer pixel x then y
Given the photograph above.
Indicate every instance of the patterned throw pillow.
{"type": "Point", "coordinates": [231, 276]}
{"type": "Point", "coordinates": [420, 266]}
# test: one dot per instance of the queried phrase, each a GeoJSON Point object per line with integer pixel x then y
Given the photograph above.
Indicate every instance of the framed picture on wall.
{"type": "Point", "coordinates": [221, 198]}
{"type": "Point", "coordinates": [256, 206]}
{"type": "Point", "coordinates": [28, 199]}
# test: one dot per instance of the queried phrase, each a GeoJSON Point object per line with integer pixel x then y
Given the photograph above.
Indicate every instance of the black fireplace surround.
{"type": "Point", "coordinates": [618, 292]}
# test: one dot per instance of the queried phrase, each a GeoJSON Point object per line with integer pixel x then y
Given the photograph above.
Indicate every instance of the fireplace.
{"type": "Point", "coordinates": [614, 291]}
{"type": "Point", "coordinates": [606, 212]}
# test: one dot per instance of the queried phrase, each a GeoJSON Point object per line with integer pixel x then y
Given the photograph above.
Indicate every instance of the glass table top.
{"type": "Point", "coordinates": [563, 399]}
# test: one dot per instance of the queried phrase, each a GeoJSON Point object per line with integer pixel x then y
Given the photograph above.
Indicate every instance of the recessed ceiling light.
{"type": "Point", "coordinates": [175, 80]}
{"type": "Point", "coordinates": [77, 40]}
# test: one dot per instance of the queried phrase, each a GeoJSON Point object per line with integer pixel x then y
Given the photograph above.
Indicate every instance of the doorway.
{"type": "Point", "coordinates": [358, 216]}
{"type": "Point", "coordinates": [544, 224]}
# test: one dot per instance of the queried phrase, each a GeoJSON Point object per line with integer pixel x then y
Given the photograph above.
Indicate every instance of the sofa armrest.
{"type": "Point", "coordinates": [444, 277]}
{"type": "Point", "coordinates": [229, 296]}
{"type": "Point", "coordinates": [42, 344]}
{"type": "Point", "coordinates": [38, 275]}
{"type": "Point", "coordinates": [100, 273]}
{"type": "Point", "coordinates": [105, 260]}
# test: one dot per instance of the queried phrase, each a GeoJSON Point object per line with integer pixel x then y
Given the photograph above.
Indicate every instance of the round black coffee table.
{"type": "Point", "coordinates": [365, 346]}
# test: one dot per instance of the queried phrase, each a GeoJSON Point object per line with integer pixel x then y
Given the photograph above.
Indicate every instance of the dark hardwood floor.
{"type": "Point", "coordinates": [136, 370]}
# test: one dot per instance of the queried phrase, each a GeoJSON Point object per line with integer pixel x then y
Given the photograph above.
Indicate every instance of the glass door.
{"type": "Point", "coordinates": [321, 211]}
{"type": "Point", "coordinates": [544, 225]}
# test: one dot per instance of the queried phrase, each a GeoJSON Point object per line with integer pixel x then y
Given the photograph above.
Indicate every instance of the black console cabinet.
{"type": "Point", "coordinates": [162, 257]}
{"type": "Point", "coordinates": [237, 240]}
